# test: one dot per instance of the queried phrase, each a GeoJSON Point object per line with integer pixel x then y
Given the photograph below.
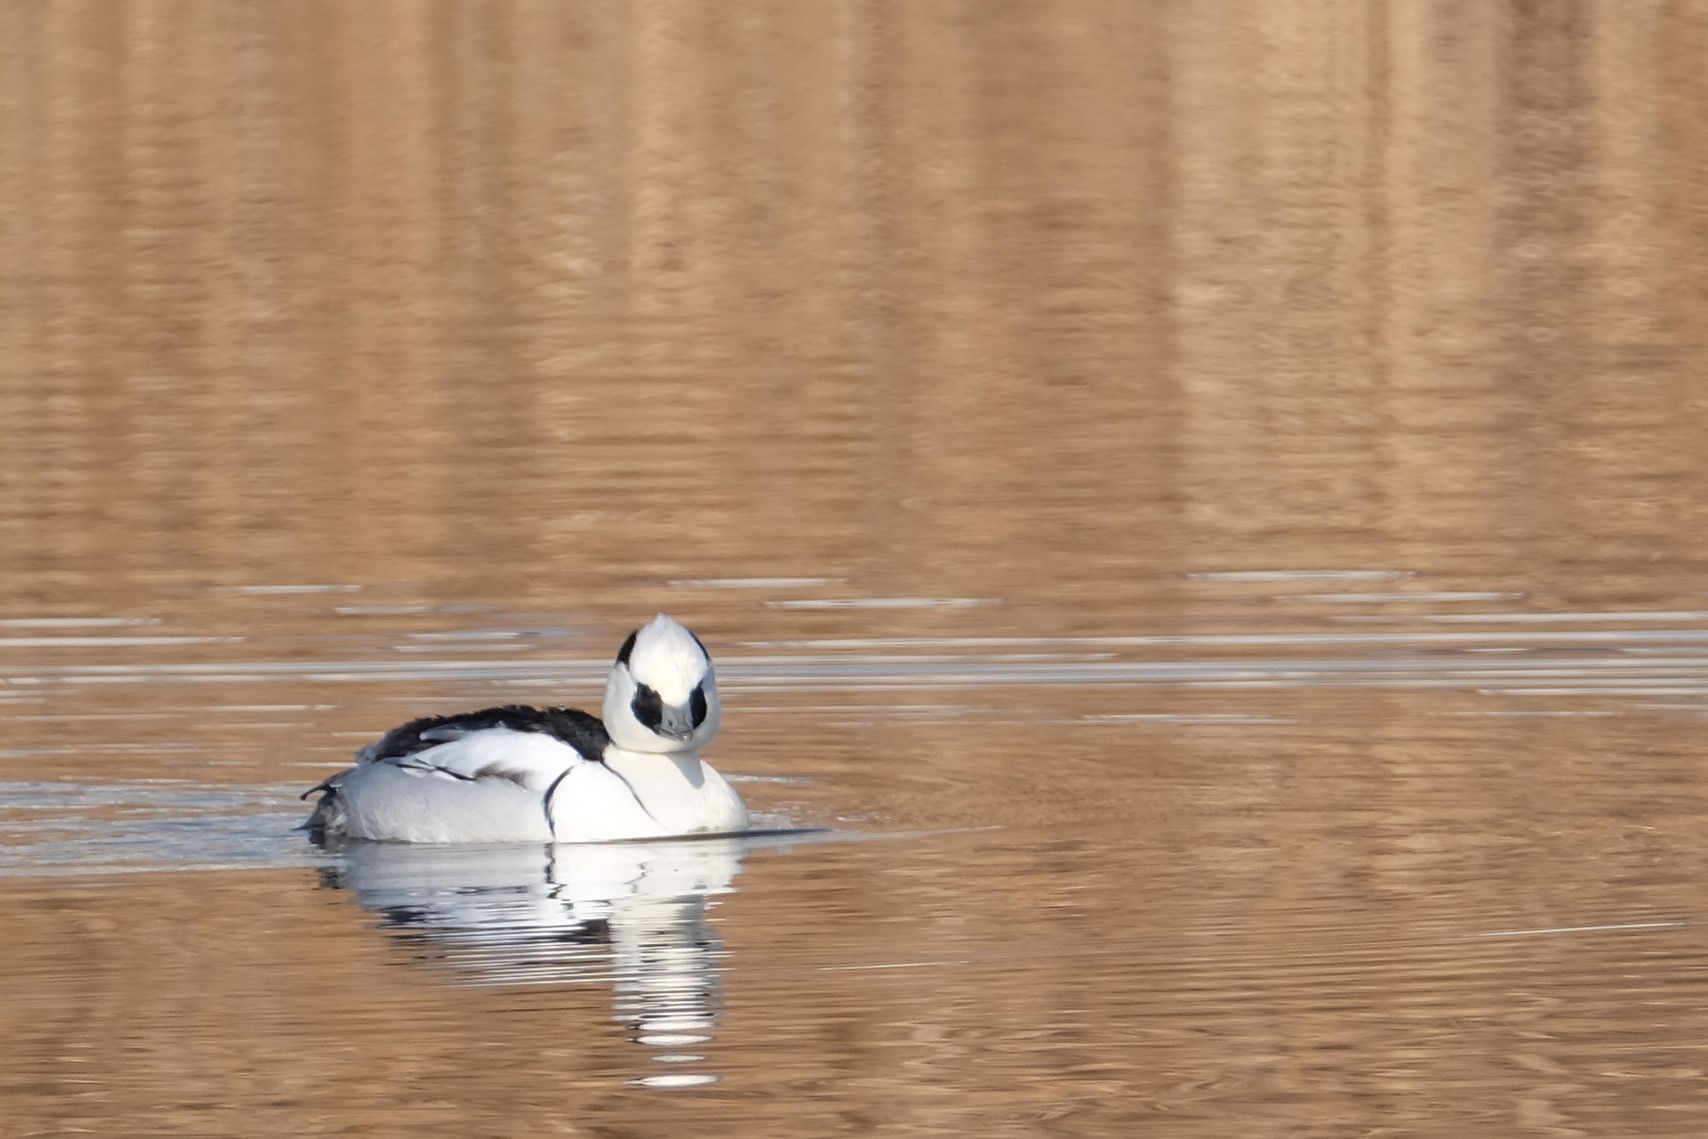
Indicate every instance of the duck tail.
{"type": "Point", "coordinates": [328, 816]}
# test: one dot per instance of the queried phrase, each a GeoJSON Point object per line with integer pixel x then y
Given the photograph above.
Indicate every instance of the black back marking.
{"type": "Point", "coordinates": [549, 796]}
{"type": "Point", "coordinates": [639, 802]}
{"type": "Point", "coordinates": [499, 771]}
{"type": "Point", "coordinates": [328, 786]}
{"type": "Point", "coordinates": [580, 730]}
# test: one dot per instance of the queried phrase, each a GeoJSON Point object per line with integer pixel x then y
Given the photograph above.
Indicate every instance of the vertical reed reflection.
{"type": "Point", "coordinates": [1019, 299]}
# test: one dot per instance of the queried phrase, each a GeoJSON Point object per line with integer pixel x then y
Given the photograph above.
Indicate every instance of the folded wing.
{"type": "Point", "coordinates": [530, 747]}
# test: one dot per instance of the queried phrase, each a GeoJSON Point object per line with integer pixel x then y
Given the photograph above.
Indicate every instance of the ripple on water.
{"type": "Point", "coordinates": [1208, 880]}
{"type": "Point", "coordinates": [56, 829]}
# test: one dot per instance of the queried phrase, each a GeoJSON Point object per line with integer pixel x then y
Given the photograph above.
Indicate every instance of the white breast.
{"type": "Point", "coordinates": [640, 795]}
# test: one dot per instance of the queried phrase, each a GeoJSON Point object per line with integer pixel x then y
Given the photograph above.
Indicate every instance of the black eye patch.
{"type": "Point", "coordinates": [648, 708]}
{"type": "Point", "coordinates": [697, 707]}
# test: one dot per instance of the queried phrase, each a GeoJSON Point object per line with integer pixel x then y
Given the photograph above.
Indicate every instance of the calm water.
{"type": "Point", "coordinates": [1198, 508]}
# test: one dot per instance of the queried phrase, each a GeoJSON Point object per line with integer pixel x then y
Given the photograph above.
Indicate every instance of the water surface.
{"type": "Point", "coordinates": [1197, 507]}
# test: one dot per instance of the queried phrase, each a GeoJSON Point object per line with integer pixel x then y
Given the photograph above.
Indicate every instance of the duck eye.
{"type": "Point", "coordinates": [648, 708]}
{"type": "Point", "coordinates": [697, 707]}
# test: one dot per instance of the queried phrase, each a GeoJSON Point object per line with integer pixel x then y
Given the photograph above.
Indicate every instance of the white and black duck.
{"type": "Point", "coordinates": [521, 774]}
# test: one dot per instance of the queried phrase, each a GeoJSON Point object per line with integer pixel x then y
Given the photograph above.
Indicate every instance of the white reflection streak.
{"type": "Point", "coordinates": [1301, 575]}
{"type": "Point", "coordinates": [881, 603]}
{"type": "Point", "coordinates": [1617, 928]}
{"type": "Point", "coordinates": [1440, 595]}
{"type": "Point", "coordinates": [110, 642]}
{"type": "Point", "coordinates": [891, 965]}
{"type": "Point", "coordinates": [290, 589]}
{"type": "Point", "coordinates": [74, 622]}
{"type": "Point", "coordinates": [631, 915]}
{"type": "Point", "coordinates": [1541, 618]}
{"type": "Point", "coordinates": [754, 582]}
{"type": "Point", "coordinates": [1621, 675]}
{"type": "Point", "coordinates": [1396, 639]}
{"type": "Point", "coordinates": [469, 635]}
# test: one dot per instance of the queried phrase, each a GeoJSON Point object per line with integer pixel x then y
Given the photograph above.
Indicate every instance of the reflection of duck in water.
{"type": "Point", "coordinates": [519, 774]}
{"type": "Point", "coordinates": [633, 913]}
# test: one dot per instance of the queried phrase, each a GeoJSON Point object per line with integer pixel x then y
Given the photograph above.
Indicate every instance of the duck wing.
{"type": "Point", "coordinates": [484, 776]}
{"type": "Point", "coordinates": [580, 730]}
{"type": "Point", "coordinates": [531, 747]}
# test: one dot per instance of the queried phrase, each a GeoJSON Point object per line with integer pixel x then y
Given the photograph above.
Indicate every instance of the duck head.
{"type": "Point", "coordinates": [662, 695]}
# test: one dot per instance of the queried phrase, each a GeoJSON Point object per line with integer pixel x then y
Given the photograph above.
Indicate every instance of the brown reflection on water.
{"type": "Point", "coordinates": [1017, 299]}
{"type": "Point", "coordinates": [1024, 320]}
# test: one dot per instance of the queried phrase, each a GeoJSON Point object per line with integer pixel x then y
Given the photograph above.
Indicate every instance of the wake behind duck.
{"type": "Point", "coordinates": [522, 774]}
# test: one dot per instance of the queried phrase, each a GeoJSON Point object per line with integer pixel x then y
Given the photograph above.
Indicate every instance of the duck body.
{"type": "Point", "coordinates": [523, 774]}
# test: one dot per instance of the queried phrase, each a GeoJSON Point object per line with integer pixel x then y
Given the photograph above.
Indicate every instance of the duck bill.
{"type": "Point", "coordinates": [677, 725]}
